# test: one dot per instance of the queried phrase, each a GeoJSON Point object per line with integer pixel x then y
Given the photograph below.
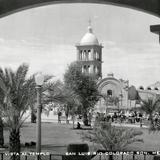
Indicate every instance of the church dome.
{"type": "Point", "coordinates": [89, 38]}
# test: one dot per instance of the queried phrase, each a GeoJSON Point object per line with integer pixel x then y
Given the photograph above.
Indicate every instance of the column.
{"type": "Point", "coordinates": [84, 55]}
{"type": "Point", "coordinates": [92, 54]}
{"type": "Point", "coordinates": [89, 54]}
{"type": "Point", "coordinates": [100, 55]}
{"type": "Point", "coordinates": [96, 69]}
{"type": "Point", "coordinates": [97, 56]}
{"type": "Point", "coordinates": [91, 68]}
{"type": "Point", "coordinates": [78, 54]}
{"type": "Point", "coordinates": [82, 69]}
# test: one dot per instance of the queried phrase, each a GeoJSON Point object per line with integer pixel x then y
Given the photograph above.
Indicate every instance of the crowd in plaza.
{"type": "Point", "coordinates": [131, 117]}
{"type": "Point", "coordinates": [123, 117]}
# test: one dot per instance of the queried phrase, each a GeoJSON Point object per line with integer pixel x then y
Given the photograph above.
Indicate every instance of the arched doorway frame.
{"type": "Point", "coordinates": [8, 7]}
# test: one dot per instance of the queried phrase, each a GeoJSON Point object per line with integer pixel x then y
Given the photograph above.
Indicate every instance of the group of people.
{"type": "Point", "coordinates": [131, 117]}
{"type": "Point", "coordinates": [121, 117]}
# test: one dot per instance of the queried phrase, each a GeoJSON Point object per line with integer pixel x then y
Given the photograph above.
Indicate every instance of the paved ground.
{"type": "Point", "coordinates": [134, 125]}
{"type": "Point", "coordinates": [56, 137]}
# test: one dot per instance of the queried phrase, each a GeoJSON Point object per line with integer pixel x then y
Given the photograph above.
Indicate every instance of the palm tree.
{"type": "Point", "coordinates": [150, 106]}
{"type": "Point", "coordinates": [57, 93]}
{"type": "Point", "coordinates": [112, 138]}
{"type": "Point", "coordinates": [32, 103]}
{"type": "Point", "coordinates": [1, 133]}
{"type": "Point", "coordinates": [53, 92]}
{"type": "Point", "coordinates": [17, 93]}
{"type": "Point", "coordinates": [1, 122]}
{"type": "Point", "coordinates": [72, 103]}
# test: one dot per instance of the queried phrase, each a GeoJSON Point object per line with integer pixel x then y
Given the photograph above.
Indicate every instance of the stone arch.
{"type": "Point", "coordinates": [110, 84]}
{"type": "Point", "coordinates": [11, 6]}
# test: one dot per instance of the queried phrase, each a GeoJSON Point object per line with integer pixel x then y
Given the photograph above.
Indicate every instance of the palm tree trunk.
{"type": "Point", "coordinates": [67, 113]}
{"type": "Point", "coordinates": [85, 119]}
{"type": "Point", "coordinates": [1, 133]}
{"type": "Point", "coordinates": [67, 121]}
{"type": "Point", "coordinates": [33, 116]}
{"type": "Point", "coordinates": [151, 121]}
{"type": "Point", "coordinates": [73, 119]}
{"type": "Point", "coordinates": [14, 144]}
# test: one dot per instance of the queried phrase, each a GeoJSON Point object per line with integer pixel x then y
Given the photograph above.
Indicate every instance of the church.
{"type": "Point", "coordinates": [89, 56]}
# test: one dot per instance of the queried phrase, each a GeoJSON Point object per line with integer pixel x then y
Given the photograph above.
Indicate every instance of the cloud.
{"type": "Point", "coordinates": [138, 63]}
{"type": "Point", "coordinates": [128, 61]}
{"type": "Point", "coordinates": [2, 40]}
{"type": "Point", "coordinates": [51, 59]}
{"type": "Point", "coordinates": [108, 44]}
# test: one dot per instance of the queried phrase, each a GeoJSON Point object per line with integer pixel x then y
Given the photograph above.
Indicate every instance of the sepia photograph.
{"type": "Point", "coordinates": [79, 80]}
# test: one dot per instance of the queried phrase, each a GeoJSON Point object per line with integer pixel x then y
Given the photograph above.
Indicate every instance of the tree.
{"type": "Point", "coordinates": [46, 86]}
{"type": "Point", "coordinates": [17, 93]}
{"type": "Point", "coordinates": [133, 95]}
{"type": "Point", "coordinates": [150, 106]}
{"type": "Point", "coordinates": [110, 100]}
{"type": "Point", "coordinates": [59, 94]}
{"type": "Point", "coordinates": [112, 138]}
{"type": "Point", "coordinates": [84, 86]}
{"type": "Point", "coordinates": [72, 103]}
{"type": "Point", "coordinates": [1, 133]}
{"type": "Point", "coordinates": [1, 121]}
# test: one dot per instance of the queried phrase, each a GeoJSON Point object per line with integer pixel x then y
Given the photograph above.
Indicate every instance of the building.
{"type": "Point", "coordinates": [89, 54]}
{"type": "Point", "coordinates": [115, 91]}
{"type": "Point", "coordinates": [151, 91]}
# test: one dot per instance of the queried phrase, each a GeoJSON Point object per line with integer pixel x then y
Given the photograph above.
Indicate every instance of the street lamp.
{"type": "Point", "coordinates": [39, 79]}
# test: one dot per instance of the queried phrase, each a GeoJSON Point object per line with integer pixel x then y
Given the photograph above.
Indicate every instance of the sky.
{"type": "Point", "coordinates": [45, 38]}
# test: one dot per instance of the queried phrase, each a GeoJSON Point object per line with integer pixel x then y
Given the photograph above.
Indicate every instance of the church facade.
{"type": "Point", "coordinates": [89, 56]}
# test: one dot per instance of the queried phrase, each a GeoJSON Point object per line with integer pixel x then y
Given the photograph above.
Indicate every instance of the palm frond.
{"type": "Point", "coordinates": [111, 137]}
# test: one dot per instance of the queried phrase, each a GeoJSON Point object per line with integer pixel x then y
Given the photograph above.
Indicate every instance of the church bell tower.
{"type": "Point", "coordinates": [89, 54]}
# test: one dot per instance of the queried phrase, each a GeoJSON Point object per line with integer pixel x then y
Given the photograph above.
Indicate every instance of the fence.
{"type": "Point", "coordinates": [134, 155]}
{"type": "Point", "coordinates": [124, 157]}
{"type": "Point", "coordinates": [5, 156]}
{"type": "Point", "coordinates": [127, 155]}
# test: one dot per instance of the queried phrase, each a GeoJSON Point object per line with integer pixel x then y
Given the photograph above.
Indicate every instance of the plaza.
{"type": "Point", "coordinates": [56, 137]}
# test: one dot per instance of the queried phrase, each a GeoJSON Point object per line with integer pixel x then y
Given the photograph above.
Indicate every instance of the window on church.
{"type": "Point", "coordinates": [141, 87]}
{"type": "Point", "coordinates": [85, 69]}
{"type": "Point", "coordinates": [109, 93]}
{"type": "Point", "coordinates": [89, 69]}
{"type": "Point", "coordinates": [86, 56]}
{"type": "Point", "coordinates": [89, 54]}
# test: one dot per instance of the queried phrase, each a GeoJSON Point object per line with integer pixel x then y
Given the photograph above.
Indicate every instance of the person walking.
{"type": "Point", "coordinates": [59, 116]}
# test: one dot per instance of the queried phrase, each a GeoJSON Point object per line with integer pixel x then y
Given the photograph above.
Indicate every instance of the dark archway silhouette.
{"type": "Point", "coordinates": [8, 7]}
{"type": "Point", "coordinates": [11, 6]}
